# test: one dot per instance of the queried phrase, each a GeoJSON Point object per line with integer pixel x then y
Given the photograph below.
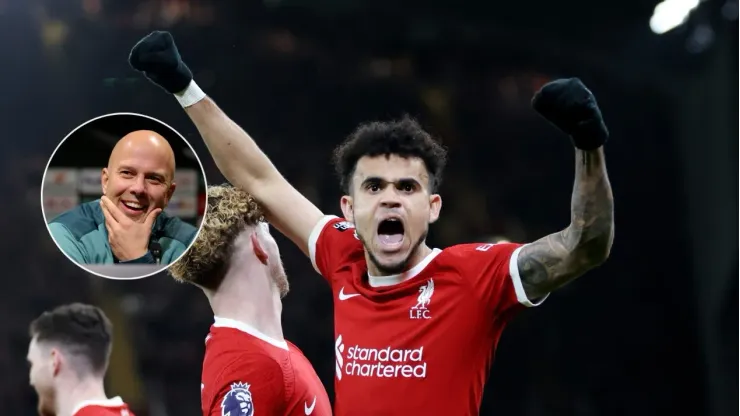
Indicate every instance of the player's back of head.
{"type": "Point", "coordinates": [230, 212]}
{"type": "Point", "coordinates": [404, 138]}
{"type": "Point", "coordinates": [82, 331]}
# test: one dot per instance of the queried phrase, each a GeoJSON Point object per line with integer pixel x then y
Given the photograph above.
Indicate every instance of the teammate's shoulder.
{"type": "Point", "coordinates": [239, 365]}
{"type": "Point", "coordinates": [237, 399]}
{"type": "Point", "coordinates": [250, 368]}
{"type": "Point", "coordinates": [236, 395]}
{"type": "Point", "coordinates": [293, 348]}
{"type": "Point", "coordinates": [227, 334]}
{"type": "Point", "coordinates": [114, 406]}
{"type": "Point", "coordinates": [256, 360]}
{"type": "Point", "coordinates": [225, 342]}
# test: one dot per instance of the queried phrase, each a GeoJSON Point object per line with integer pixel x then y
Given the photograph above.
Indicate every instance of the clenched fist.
{"type": "Point", "coordinates": [571, 107]}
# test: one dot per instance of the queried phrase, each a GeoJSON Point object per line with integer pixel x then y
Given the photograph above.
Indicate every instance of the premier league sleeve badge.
{"type": "Point", "coordinates": [238, 401]}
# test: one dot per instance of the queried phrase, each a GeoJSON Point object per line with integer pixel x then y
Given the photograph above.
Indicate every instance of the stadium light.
{"type": "Point", "coordinates": [670, 14]}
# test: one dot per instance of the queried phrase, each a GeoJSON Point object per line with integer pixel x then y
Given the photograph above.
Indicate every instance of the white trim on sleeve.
{"type": "Point", "coordinates": [521, 295]}
{"type": "Point", "coordinates": [313, 238]}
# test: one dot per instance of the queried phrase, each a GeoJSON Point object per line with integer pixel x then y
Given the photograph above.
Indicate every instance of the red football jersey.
{"type": "Point", "coordinates": [247, 373]}
{"type": "Point", "coordinates": [420, 343]}
{"type": "Point", "coordinates": [111, 407]}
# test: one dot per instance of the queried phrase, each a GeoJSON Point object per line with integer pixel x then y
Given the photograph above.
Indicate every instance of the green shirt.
{"type": "Point", "coordinates": [81, 234]}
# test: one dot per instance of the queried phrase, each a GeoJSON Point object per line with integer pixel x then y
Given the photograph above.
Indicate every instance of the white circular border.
{"type": "Point", "coordinates": [202, 171]}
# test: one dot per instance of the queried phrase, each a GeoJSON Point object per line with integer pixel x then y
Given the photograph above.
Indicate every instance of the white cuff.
{"type": "Point", "coordinates": [521, 295]}
{"type": "Point", "coordinates": [190, 95]}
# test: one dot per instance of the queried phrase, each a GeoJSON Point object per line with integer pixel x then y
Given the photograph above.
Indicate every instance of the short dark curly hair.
{"type": "Point", "coordinates": [83, 329]}
{"type": "Point", "coordinates": [405, 138]}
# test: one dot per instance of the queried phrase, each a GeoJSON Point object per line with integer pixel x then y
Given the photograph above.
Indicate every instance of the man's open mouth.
{"type": "Point", "coordinates": [134, 206]}
{"type": "Point", "coordinates": [390, 233]}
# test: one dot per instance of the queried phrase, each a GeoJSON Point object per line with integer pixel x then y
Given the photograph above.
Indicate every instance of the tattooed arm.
{"type": "Point", "coordinates": [559, 258]}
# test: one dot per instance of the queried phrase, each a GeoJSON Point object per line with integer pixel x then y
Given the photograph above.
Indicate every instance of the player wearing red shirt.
{"type": "Point", "coordinates": [249, 369]}
{"type": "Point", "coordinates": [68, 355]}
{"type": "Point", "coordinates": [416, 328]}
{"type": "Point", "coordinates": [110, 407]}
{"type": "Point", "coordinates": [441, 321]}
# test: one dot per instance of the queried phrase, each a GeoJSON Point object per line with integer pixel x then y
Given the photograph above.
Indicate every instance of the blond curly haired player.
{"type": "Point", "coordinates": [249, 368]}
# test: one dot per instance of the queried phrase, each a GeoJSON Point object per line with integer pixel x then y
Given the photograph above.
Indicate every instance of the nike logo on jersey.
{"type": "Point", "coordinates": [342, 296]}
{"type": "Point", "coordinates": [309, 409]}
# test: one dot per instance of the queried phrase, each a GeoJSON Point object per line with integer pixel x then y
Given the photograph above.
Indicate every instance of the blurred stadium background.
{"type": "Point", "coordinates": [653, 332]}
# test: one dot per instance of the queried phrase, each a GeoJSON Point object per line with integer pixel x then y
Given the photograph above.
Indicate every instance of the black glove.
{"type": "Point", "coordinates": [156, 56]}
{"type": "Point", "coordinates": [571, 107]}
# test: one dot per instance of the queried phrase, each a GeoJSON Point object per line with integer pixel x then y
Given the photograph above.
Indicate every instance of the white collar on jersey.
{"type": "Point", "coordinates": [112, 402]}
{"type": "Point", "coordinates": [380, 281]}
{"type": "Point", "coordinates": [241, 326]}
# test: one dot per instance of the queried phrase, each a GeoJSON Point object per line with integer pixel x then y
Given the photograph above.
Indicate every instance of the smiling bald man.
{"type": "Point", "coordinates": [122, 225]}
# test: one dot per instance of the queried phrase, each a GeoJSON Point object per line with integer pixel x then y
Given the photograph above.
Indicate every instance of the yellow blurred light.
{"type": "Point", "coordinates": [54, 32]}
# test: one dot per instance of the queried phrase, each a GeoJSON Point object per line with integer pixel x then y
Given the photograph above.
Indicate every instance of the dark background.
{"type": "Point", "coordinates": [652, 332]}
{"type": "Point", "coordinates": [90, 145]}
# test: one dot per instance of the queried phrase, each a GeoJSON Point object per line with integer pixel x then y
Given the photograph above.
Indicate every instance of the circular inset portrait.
{"type": "Point", "coordinates": [123, 196]}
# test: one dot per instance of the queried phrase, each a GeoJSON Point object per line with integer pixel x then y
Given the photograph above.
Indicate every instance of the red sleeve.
{"type": "Point", "coordinates": [332, 244]}
{"type": "Point", "coordinates": [104, 411]}
{"type": "Point", "coordinates": [252, 385]}
{"type": "Point", "coordinates": [493, 271]}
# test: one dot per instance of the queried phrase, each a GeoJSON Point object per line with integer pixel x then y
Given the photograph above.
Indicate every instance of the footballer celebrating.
{"type": "Point", "coordinates": [68, 357]}
{"type": "Point", "coordinates": [403, 311]}
{"type": "Point", "coordinates": [249, 369]}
